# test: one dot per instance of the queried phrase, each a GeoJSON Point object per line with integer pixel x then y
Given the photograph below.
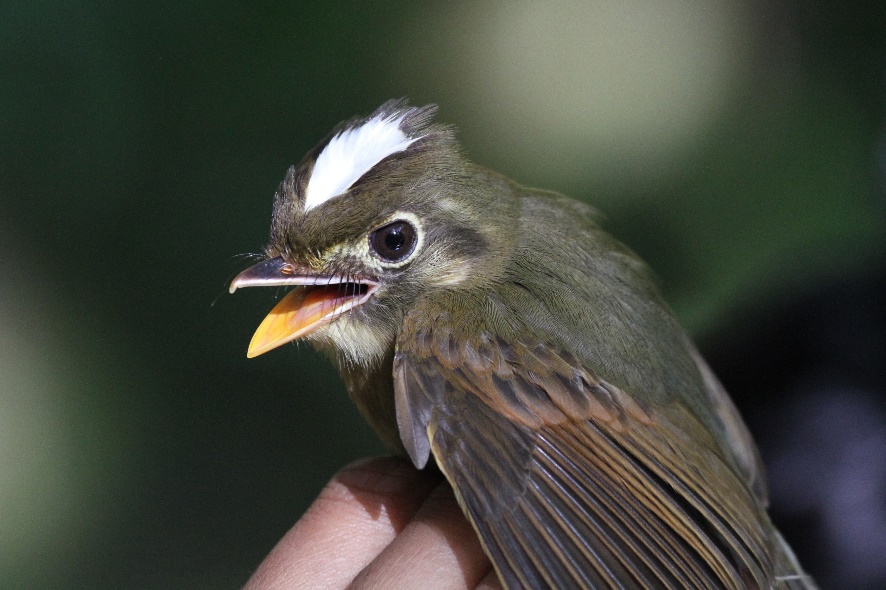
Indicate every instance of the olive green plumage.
{"type": "Point", "coordinates": [530, 355]}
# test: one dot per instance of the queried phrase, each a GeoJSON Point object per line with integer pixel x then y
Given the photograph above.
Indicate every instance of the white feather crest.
{"type": "Point", "coordinates": [351, 154]}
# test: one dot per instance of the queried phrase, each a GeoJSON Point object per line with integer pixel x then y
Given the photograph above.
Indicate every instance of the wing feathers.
{"type": "Point", "coordinates": [627, 528]}
{"type": "Point", "coordinates": [555, 494]}
{"type": "Point", "coordinates": [572, 484]}
{"type": "Point", "coordinates": [711, 491]}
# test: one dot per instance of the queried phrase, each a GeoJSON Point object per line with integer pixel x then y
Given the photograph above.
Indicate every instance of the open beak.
{"type": "Point", "coordinates": [314, 302]}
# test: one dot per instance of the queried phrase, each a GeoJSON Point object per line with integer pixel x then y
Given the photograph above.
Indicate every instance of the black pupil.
{"type": "Point", "coordinates": [395, 241]}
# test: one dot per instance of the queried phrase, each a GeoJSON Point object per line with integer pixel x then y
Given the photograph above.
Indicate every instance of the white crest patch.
{"type": "Point", "coordinates": [351, 154]}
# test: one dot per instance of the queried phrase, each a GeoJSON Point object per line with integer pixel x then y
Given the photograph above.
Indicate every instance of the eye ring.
{"type": "Point", "coordinates": [394, 242]}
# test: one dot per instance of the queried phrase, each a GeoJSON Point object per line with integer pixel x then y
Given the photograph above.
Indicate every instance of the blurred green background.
{"type": "Point", "coordinates": [737, 146]}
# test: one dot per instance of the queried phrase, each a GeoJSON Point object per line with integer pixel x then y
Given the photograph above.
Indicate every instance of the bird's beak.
{"type": "Point", "coordinates": [314, 302]}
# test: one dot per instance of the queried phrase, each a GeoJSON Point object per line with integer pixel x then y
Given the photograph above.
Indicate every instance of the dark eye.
{"type": "Point", "coordinates": [393, 242]}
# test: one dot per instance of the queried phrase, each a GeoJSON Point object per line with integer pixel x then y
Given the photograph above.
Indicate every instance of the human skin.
{"type": "Point", "coordinates": [379, 523]}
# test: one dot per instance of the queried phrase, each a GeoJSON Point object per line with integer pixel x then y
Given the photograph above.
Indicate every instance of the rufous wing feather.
{"type": "Point", "coordinates": [570, 483]}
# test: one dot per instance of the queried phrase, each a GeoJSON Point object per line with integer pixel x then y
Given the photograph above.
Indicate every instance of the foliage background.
{"type": "Point", "coordinates": [738, 146]}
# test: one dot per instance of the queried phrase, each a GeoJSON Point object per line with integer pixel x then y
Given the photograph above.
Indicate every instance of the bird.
{"type": "Point", "coordinates": [497, 332]}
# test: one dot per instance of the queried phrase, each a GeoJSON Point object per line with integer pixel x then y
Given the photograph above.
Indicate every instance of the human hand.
{"type": "Point", "coordinates": [379, 523]}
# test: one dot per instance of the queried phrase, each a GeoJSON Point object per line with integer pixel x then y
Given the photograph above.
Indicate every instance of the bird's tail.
{"type": "Point", "coordinates": [789, 575]}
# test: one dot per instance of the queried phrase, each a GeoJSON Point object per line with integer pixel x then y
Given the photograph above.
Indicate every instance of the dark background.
{"type": "Point", "coordinates": [739, 147]}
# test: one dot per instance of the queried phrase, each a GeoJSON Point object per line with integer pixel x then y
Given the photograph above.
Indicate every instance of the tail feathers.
{"type": "Point", "coordinates": [789, 574]}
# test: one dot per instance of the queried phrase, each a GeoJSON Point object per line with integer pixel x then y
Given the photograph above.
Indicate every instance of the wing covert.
{"type": "Point", "coordinates": [569, 481]}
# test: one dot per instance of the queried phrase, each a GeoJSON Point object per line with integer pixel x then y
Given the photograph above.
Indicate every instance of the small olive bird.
{"type": "Point", "coordinates": [498, 329]}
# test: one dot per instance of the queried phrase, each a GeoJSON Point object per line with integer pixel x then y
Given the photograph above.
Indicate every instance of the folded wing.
{"type": "Point", "coordinates": [570, 482]}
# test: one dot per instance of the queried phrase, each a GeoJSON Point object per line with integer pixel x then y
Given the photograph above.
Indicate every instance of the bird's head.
{"type": "Point", "coordinates": [381, 211]}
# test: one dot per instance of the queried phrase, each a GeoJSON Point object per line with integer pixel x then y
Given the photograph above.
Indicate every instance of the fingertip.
{"type": "Point", "coordinates": [357, 514]}
{"type": "Point", "coordinates": [378, 475]}
{"type": "Point", "coordinates": [382, 485]}
{"type": "Point", "coordinates": [438, 549]}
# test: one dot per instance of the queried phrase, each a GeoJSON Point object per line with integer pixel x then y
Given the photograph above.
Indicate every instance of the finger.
{"type": "Point", "coordinates": [357, 514]}
{"type": "Point", "coordinates": [438, 549]}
